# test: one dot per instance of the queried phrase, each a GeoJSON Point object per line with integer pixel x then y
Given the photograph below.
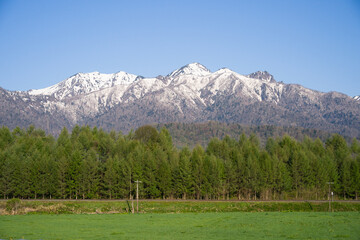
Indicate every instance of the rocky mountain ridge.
{"type": "Point", "coordinates": [192, 93]}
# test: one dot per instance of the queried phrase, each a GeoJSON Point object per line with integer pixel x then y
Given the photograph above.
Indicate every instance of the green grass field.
{"type": "Point", "coordinates": [231, 225]}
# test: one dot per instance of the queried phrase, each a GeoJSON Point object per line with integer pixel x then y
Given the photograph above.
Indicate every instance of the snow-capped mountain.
{"type": "Point", "coordinates": [195, 69]}
{"type": "Point", "coordinates": [83, 83]}
{"type": "Point", "coordinates": [357, 98]}
{"type": "Point", "coordinates": [192, 93]}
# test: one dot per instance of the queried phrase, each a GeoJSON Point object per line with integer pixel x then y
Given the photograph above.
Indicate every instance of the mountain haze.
{"type": "Point", "coordinates": [192, 93]}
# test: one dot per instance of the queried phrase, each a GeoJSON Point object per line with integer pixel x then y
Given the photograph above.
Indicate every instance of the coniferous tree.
{"type": "Point", "coordinates": [182, 175]}
{"type": "Point", "coordinates": [89, 178]}
{"type": "Point", "coordinates": [355, 179]}
{"type": "Point", "coordinates": [197, 168]}
{"type": "Point", "coordinates": [111, 177]}
{"type": "Point", "coordinates": [73, 173]}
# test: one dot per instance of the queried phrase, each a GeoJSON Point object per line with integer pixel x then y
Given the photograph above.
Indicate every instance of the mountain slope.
{"type": "Point", "coordinates": [192, 93]}
{"type": "Point", "coordinates": [20, 109]}
{"type": "Point", "coordinates": [191, 134]}
{"type": "Point", "coordinates": [83, 83]}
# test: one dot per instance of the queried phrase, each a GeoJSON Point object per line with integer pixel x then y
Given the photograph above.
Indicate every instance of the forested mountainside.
{"type": "Point", "coordinates": [91, 163]}
{"type": "Point", "coordinates": [191, 134]}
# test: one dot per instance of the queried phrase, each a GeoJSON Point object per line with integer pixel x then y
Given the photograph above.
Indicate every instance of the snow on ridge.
{"type": "Point", "coordinates": [196, 69]}
{"type": "Point", "coordinates": [194, 78]}
{"type": "Point", "coordinates": [223, 70]}
{"type": "Point", "coordinates": [357, 98]}
{"type": "Point", "coordinates": [82, 83]}
{"type": "Point", "coordinates": [91, 93]}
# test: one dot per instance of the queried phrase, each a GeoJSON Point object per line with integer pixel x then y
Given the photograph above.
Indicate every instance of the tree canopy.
{"type": "Point", "coordinates": [90, 163]}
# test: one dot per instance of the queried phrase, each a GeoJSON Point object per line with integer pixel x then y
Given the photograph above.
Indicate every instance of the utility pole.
{"type": "Point", "coordinates": [137, 195]}
{"type": "Point", "coordinates": [131, 198]}
{"type": "Point", "coordinates": [330, 195]}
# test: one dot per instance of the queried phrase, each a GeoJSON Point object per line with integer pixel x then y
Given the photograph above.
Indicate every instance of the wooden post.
{"type": "Point", "coordinates": [330, 196]}
{"type": "Point", "coordinates": [137, 195]}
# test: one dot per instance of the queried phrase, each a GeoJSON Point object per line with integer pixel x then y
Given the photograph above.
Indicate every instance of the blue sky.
{"type": "Point", "coordinates": [312, 43]}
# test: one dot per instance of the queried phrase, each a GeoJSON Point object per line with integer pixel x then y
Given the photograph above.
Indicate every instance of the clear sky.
{"type": "Point", "coordinates": [314, 43]}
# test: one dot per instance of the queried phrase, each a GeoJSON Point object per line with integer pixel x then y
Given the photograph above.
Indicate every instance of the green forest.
{"type": "Point", "coordinates": [90, 163]}
{"type": "Point", "coordinates": [191, 134]}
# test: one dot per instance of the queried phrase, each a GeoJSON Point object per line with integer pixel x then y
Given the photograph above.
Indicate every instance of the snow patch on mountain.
{"type": "Point", "coordinates": [83, 83]}
{"type": "Point", "coordinates": [357, 98]}
{"type": "Point", "coordinates": [195, 69]}
{"type": "Point", "coordinates": [223, 70]}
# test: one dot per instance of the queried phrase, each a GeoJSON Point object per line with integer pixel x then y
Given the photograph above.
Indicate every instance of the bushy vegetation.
{"type": "Point", "coordinates": [89, 163]}
{"type": "Point", "coordinates": [23, 207]}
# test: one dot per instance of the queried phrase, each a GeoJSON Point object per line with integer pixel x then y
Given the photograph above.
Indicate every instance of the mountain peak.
{"type": "Point", "coordinates": [262, 75]}
{"type": "Point", "coordinates": [224, 70]}
{"type": "Point", "coordinates": [83, 83]}
{"type": "Point", "coordinates": [196, 69]}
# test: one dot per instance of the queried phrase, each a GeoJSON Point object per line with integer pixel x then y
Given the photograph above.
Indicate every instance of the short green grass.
{"type": "Point", "coordinates": [230, 225]}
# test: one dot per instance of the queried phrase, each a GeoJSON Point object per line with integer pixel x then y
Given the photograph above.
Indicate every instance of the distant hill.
{"type": "Point", "coordinates": [191, 134]}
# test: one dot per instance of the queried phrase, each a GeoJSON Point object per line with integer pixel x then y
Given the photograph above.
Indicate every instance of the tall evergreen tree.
{"type": "Point", "coordinates": [197, 167]}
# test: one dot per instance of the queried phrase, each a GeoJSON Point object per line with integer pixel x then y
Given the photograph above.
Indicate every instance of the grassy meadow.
{"type": "Point", "coordinates": [56, 219]}
{"type": "Point", "coordinates": [230, 225]}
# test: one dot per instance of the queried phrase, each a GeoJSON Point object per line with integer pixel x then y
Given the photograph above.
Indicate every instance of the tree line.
{"type": "Point", "coordinates": [89, 163]}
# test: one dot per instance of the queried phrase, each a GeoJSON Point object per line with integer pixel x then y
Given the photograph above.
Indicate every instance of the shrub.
{"type": "Point", "coordinates": [13, 204]}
